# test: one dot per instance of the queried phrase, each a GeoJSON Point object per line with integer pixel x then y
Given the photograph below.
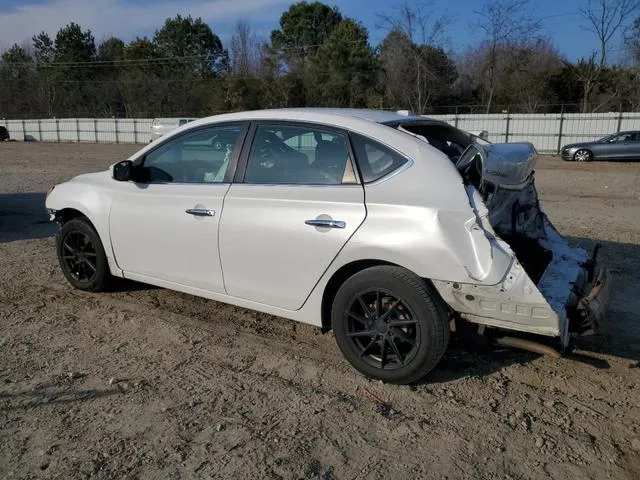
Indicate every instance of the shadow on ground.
{"type": "Point", "coordinates": [23, 216]}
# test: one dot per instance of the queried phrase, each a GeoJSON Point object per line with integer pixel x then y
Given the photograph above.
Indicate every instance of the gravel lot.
{"type": "Point", "coordinates": [148, 383]}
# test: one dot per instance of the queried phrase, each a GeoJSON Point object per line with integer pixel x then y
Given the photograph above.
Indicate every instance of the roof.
{"type": "Point", "coordinates": [376, 116]}
{"type": "Point", "coordinates": [363, 121]}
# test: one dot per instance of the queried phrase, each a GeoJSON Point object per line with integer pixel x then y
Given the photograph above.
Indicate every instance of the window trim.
{"type": "Point", "coordinates": [408, 162]}
{"type": "Point", "coordinates": [251, 136]}
{"type": "Point", "coordinates": [233, 162]}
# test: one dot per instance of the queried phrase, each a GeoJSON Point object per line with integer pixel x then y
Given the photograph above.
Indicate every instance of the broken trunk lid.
{"type": "Point", "coordinates": [508, 199]}
{"type": "Point", "coordinates": [509, 165]}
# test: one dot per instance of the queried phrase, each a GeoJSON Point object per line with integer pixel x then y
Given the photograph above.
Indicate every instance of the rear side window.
{"type": "Point", "coordinates": [374, 159]}
{"type": "Point", "coordinates": [302, 155]}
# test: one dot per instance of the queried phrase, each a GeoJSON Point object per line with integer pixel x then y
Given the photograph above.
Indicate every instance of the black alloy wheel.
{"type": "Point", "coordinates": [390, 324]}
{"type": "Point", "coordinates": [79, 255]}
{"type": "Point", "coordinates": [382, 328]}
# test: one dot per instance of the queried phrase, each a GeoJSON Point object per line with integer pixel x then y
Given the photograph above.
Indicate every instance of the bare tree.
{"type": "Point", "coordinates": [415, 66]}
{"type": "Point", "coordinates": [522, 74]}
{"type": "Point", "coordinates": [504, 22]}
{"type": "Point", "coordinates": [632, 42]}
{"type": "Point", "coordinates": [588, 73]}
{"type": "Point", "coordinates": [415, 22]}
{"type": "Point", "coordinates": [245, 51]}
{"type": "Point", "coordinates": [526, 72]}
{"type": "Point", "coordinates": [605, 18]}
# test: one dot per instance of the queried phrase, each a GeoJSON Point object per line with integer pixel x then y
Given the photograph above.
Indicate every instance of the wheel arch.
{"type": "Point", "coordinates": [339, 277]}
{"type": "Point", "coordinates": [587, 149]}
{"type": "Point", "coordinates": [69, 213]}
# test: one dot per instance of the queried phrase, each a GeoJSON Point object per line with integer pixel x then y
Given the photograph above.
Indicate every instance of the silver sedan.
{"type": "Point", "coordinates": [619, 146]}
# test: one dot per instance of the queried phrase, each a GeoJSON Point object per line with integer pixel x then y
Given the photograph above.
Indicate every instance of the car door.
{"type": "Point", "coordinates": [632, 151]}
{"type": "Point", "coordinates": [164, 225]}
{"type": "Point", "coordinates": [617, 147]}
{"type": "Point", "coordinates": [296, 202]}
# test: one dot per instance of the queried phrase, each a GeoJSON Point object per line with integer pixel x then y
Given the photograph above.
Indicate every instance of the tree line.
{"type": "Point", "coordinates": [319, 57]}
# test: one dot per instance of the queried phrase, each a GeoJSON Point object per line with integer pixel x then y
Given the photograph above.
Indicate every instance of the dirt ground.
{"type": "Point", "coordinates": [148, 383]}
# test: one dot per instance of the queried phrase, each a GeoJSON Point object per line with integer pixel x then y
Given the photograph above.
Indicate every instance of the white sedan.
{"type": "Point", "coordinates": [391, 230]}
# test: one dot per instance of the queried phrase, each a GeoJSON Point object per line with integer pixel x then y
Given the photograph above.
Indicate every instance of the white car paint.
{"type": "Point", "coordinates": [257, 252]}
{"type": "Point", "coordinates": [146, 223]}
{"type": "Point", "coordinates": [90, 194]}
{"type": "Point", "coordinates": [269, 255]}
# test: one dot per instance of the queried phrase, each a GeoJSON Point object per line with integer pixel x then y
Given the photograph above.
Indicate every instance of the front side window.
{"type": "Point", "coordinates": [291, 154]}
{"type": "Point", "coordinates": [622, 137]}
{"type": "Point", "coordinates": [374, 159]}
{"type": "Point", "coordinates": [202, 156]}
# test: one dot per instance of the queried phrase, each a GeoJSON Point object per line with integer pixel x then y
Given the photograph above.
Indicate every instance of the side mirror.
{"type": "Point", "coordinates": [123, 171]}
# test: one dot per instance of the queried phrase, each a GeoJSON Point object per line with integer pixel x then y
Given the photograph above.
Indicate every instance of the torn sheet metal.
{"type": "Point", "coordinates": [543, 292]}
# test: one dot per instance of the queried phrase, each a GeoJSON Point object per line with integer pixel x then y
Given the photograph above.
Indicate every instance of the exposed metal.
{"type": "Point", "coordinates": [529, 345]}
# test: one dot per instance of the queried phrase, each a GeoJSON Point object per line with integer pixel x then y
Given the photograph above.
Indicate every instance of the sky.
{"type": "Point", "coordinates": [126, 19]}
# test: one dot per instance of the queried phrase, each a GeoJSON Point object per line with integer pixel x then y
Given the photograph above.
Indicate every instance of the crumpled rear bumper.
{"type": "Point", "coordinates": [592, 307]}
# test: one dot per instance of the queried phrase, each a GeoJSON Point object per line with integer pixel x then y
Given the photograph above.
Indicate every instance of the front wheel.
{"type": "Point", "coordinates": [390, 324]}
{"type": "Point", "coordinates": [583, 155]}
{"type": "Point", "coordinates": [81, 256]}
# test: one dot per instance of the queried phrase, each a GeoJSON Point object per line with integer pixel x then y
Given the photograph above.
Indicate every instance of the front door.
{"type": "Point", "coordinates": [165, 225]}
{"type": "Point", "coordinates": [619, 147]}
{"type": "Point", "coordinates": [632, 146]}
{"type": "Point", "coordinates": [297, 205]}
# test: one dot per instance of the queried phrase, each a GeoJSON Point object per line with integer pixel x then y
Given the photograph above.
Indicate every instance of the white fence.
{"type": "Point", "coordinates": [93, 130]}
{"type": "Point", "coordinates": [548, 132]}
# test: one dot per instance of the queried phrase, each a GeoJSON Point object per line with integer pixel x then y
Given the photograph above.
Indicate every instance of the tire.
{"type": "Point", "coordinates": [583, 155]}
{"type": "Point", "coordinates": [81, 256]}
{"type": "Point", "coordinates": [404, 332]}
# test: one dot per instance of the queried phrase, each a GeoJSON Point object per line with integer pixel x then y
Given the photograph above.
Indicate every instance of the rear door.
{"type": "Point", "coordinates": [296, 202]}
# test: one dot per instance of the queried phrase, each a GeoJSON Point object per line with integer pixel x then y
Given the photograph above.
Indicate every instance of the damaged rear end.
{"type": "Point", "coordinates": [552, 288]}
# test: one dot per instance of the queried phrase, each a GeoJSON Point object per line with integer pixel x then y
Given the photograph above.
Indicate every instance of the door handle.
{"type": "Point", "coordinates": [326, 223]}
{"type": "Point", "coordinates": [201, 212]}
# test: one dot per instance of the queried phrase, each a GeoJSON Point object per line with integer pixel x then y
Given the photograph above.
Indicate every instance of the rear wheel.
{"type": "Point", "coordinates": [81, 256]}
{"type": "Point", "coordinates": [583, 155]}
{"type": "Point", "coordinates": [390, 324]}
